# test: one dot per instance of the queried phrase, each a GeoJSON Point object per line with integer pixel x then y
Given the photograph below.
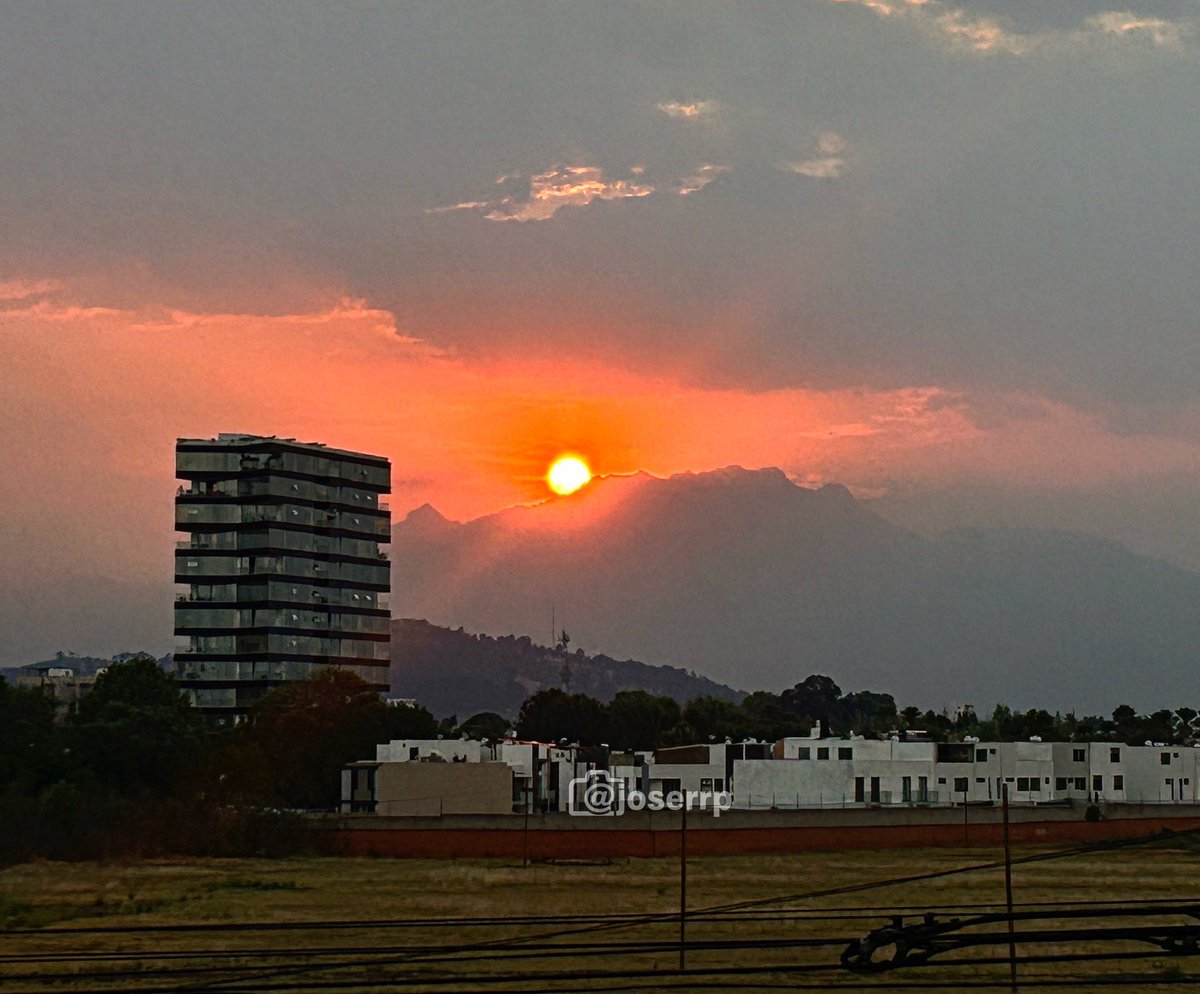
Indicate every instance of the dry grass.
{"type": "Point", "coordinates": [227, 893]}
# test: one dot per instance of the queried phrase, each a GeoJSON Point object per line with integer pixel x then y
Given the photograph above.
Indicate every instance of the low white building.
{"type": "Point", "coordinates": [814, 773]}
{"type": "Point", "coordinates": [540, 772]}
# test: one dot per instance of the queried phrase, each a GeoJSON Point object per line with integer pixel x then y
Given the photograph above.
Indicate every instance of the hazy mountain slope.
{"type": "Point", "coordinates": [749, 579]}
{"type": "Point", "coordinates": [454, 672]}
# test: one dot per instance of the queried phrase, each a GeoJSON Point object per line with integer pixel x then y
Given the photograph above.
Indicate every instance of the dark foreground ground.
{"type": "Point", "coordinates": [755, 922]}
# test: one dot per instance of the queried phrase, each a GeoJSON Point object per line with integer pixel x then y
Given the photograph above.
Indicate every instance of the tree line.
{"type": "Point", "coordinates": [637, 720]}
{"type": "Point", "coordinates": [133, 770]}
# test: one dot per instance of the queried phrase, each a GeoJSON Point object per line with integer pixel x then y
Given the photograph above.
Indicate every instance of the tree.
{"type": "Point", "coordinates": [484, 725]}
{"type": "Point", "coordinates": [867, 712]}
{"type": "Point", "coordinates": [30, 747]}
{"type": "Point", "coordinates": [551, 715]}
{"type": "Point", "coordinates": [815, 698]}
{"type": "Point", "coordinates": [406, 721]}
{"type": "Point", "coordinates": [713, 718]}
{"type": "Point", "coordinates": [135, 732]}
{"type": "Point", "coordinates": [308, 730]}
{"type": "Point", "coordinates": [639, 720]}
{"type": "Point", "coordinates": [769, 718]}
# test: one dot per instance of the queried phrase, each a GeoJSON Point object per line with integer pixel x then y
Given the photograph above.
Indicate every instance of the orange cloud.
{"type": "Point", "coordinates": [95, 397]}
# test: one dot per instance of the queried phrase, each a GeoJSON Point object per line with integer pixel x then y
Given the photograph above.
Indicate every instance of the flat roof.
{"type": "Point", "coordinates": [231, 440]}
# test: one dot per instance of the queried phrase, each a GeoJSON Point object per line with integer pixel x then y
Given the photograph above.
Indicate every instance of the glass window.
{"type": "Point", "coordinates": [1080, 783]}
{"type": "Point", "coordinates": [844, 753]}
{"type": "Point", "coordinates": [981, 755]}
{"type": "Point", "coordinates": [804, 753]}
{"type": "Point", "coordinates": [1165, 759]}
{"type": "Point", "coordinates": [1118, 782]}
{"type": "Point", "coordinates": [1078, 755]}
{"type": "Point", "coordinates": [1060, 783]}
{"type": "Point", "coordinates": [960, 785]}
{"type": "Point", "coordinates": [1114, 755]}
{"type": "Point", "coordinates": [823, 752]}
{"type": "Point", "coordinates": [1097, 782]}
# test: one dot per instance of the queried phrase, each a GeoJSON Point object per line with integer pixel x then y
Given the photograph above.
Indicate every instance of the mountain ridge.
{"type": "Point", "coordinates": [752, 580]}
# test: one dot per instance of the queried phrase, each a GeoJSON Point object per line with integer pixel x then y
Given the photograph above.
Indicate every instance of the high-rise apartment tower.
{"type": "Point", "coordinates": [282, 564]}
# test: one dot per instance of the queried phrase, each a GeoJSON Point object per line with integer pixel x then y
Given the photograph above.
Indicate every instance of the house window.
{"type": "Point", "coordinates": [941, 780]}
{"type": "Point", "coordinates": [1165, 758]}
{"type": "Point", "coordinates": [1060, 783]}
{"type": "Point", "coordinates": [823, 752]}
{"type": "Point", "coordinates": [804, 753]}
{"type": "Point", "coordinates": [960, 785]}
{"type": "Point", "coordinates": [1023, 783]}
{"type": "Point", "coordinates": [1118, 782]}
{"type": "Point", "coordinates": [981, 755]}
{"type": "Point", "coordinates": [706, 783]}
{"type": "Point", "coordinates": [981, 780]}
{"type": "Point", "coordinates": [1081, 783]}
{"type": "Point", "coordinates": [1114, 755]}
{"type": "Point", "coordinates": [718, 783]}
{"type": "Point", "coordinates": [1097, 782]}
{"type": "Point", "coordinates": [1078, 755]}
{"type": "Point", "coordinates": [844, 753]}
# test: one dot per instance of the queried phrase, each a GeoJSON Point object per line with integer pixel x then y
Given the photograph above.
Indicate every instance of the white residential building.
{"type": "Point", "coordinates": [814, 773]}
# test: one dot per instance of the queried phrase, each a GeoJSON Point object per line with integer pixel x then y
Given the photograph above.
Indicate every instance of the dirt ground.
{"type": "Point", "coordinates": [754, 922]}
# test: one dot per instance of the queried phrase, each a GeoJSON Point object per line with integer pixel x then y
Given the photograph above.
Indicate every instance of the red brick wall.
{"type": "Point", "coordinates": [552, 843]}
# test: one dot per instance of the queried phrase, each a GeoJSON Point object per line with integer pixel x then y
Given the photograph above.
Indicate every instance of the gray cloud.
{"type": "Point", "coordinates": [692, 111]}
{"type": "Point", "coordinates": [963, 30]}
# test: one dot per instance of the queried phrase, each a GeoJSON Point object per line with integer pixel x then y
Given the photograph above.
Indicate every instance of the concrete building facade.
{"type": "Point", "coordinates": [833, 773]}
{"type": "Point", "coordinates": [282, 565]}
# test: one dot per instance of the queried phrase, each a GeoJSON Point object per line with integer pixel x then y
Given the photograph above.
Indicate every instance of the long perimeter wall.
{"type": "Point", "coordinates": [561, 836]}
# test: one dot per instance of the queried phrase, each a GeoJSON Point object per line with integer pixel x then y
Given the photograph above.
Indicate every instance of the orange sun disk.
{"type": "Point", "coordinates": [567, 474]}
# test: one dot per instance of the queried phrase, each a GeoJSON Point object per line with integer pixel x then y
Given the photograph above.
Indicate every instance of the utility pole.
{"type": "Point", "coordinates": [966, 830]}
{"type": "Point", "coordinates": [682, 882]}
{"type": "Point", "coordinates": [528, 805]}
{"type": "Point", "coordinates": [1008, 901]}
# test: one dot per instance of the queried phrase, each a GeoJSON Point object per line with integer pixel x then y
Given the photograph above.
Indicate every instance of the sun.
{"type": "Point", "coordinates": [567, 474]}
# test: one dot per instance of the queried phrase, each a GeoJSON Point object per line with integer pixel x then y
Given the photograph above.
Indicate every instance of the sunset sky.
{"type": "Point", "coordinates": [945, 253]}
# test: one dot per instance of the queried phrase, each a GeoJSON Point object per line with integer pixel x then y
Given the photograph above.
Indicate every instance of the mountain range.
{"type": "Point", "coordinates": [754, 581]}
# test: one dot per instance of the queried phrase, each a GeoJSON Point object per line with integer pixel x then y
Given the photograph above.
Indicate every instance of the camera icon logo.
{"type": "Point", "coordinates": [596, 793]}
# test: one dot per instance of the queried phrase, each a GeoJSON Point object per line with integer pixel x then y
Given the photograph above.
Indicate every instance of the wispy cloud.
{"type": "Point", "coordinates": [699, 179]}
{"type": "Point", "coordinates": [23, 289]}
{"type": "Point", "coordinates": [827, 163]}
{"type": "Point", "coordinates": [693, 111]}
{"type": "Point", "coordinates": [546, 193]}
{"type": "Point", "coordinates": [963, 31]}
{"type": "Point", "coordinates": [1157, 30]}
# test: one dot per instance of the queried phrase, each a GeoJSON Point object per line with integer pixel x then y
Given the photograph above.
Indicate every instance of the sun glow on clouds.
{"type": "Point", "coordinates": [547, 193]}
{"type": "Point", "coordinates": [962, 31]}
{"type": "Point", "coordinates": [693, 111]}
{"type": "Point", "coordinates": [472, 435]}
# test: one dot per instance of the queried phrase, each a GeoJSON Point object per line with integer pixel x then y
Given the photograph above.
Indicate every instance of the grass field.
{"type": "Point", "coordinates": [361, 924]}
